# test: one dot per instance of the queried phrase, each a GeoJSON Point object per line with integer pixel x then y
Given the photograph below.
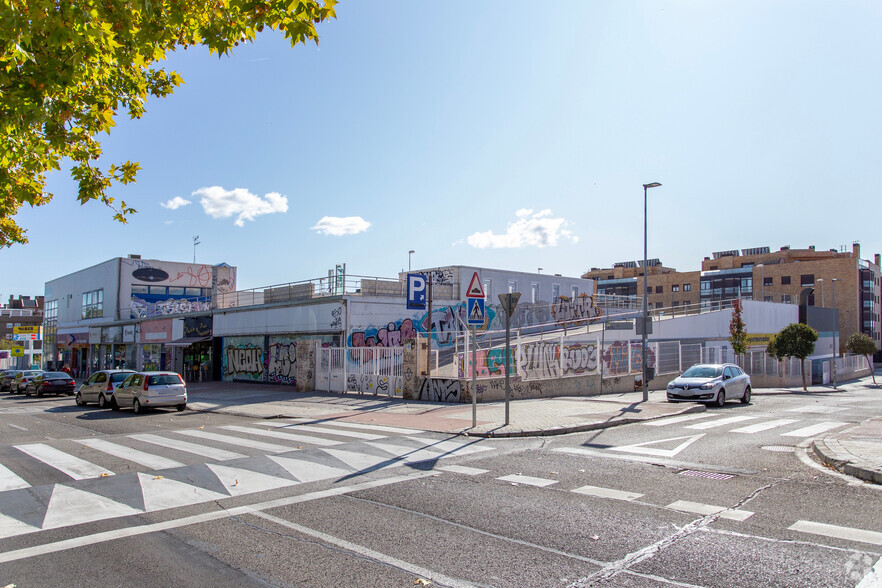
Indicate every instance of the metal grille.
{"type": "Point", "coordinates": [781, 448]}
{"type": "Point", "coordinates": [711, 475]}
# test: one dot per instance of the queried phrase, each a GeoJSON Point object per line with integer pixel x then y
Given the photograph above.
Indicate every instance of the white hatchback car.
{"type": "Point", "coordinates": [712, 383]}
{"type": "Point", "coordinates": [100, 387]}
{"type": "Point", "coordinates": [143, 390]}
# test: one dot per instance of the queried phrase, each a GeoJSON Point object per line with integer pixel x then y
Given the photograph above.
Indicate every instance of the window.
{"type": "Point", "coordinates": [767, 281]}
{"type": "Point", "coordinates": [767, 299]}
{"type": "Point", "coordinates": [555, 292]}
{"type": "Point", "coordinates": [705, 287]}
{"type": "Point", "coordinates": [575, 292]}
{"type": "Point", "coordinates": [138, 289]}
{"type": "Point", "coordinates": [807, 280]}
{"type": "Point", "coordinates": [610, 277]}
{"type": "Point", "coordinates": [93, 304]}
{"type": "Point", "coordinates": [160, 290]}
{"type": "Point", "coordinates": [198, 291]}
{"type": "Point", "coordinates": [785, 298]}
{"type": "Point", "coordinates": [488, 286]}
{"type": "Point", "coordinates": [785, 280]}
{"type": "Point", "coordinates": [675, 303]}
{"type": "Point", "coordinates": [687, 287]}
{"type": "Point", "coordinates": [714, 268]}
{"type": "Point", "coordinates": [534, 290]}
{"type": "Point", "coordinates": [675, 288]}
{"type": "Point", "coordinates": [659, 289]}
{"type": "Point", "coordinates": [747, 284]}
{"type": "Point", "coordinates": [512, 286]}
{"type": "Point", "coordinates": [175, 291]}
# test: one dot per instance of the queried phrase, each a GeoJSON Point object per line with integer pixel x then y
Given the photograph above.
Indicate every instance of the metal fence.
{"type": "Point", "coordinates": [367, 370]}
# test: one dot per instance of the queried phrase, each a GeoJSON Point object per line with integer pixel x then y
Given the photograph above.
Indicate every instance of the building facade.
{"type": "Point", "coordinates": [27, 312]}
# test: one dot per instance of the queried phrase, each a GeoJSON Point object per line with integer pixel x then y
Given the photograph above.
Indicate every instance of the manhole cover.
{"type": "Point", "coordinates": [711, 475]}
{"type": "Point", "coordinates": [781, 448]}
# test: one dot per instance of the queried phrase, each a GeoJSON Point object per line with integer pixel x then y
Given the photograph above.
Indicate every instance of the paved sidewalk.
{"type": "Point", "coordinates": [857, 451]}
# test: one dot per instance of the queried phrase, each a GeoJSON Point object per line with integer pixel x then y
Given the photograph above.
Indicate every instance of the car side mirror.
{"type": "Point", "coordinates": [726, 377]}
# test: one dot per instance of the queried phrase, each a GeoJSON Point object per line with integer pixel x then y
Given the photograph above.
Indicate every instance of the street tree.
{"type": "Point", "coordinates": [737, 333]}
{"type": "Point", "coordinates": [796, 340]}
{"type": "Point", "coordinates": [68, 68]}
{"type": "Point", "coordinates": [862, 344]}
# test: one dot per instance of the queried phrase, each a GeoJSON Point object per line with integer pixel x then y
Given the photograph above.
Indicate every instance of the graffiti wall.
{"type": "Point", "coordinates": [575, 312]}
{"type": "Point", "coordinates": [489, 363]}
{"type": "Point", "coordinates": [281, 360]}
{"type": "Point", "coordinates": [243, 358]}
{"type": "Point", "coordinates": [375, 384]}
{"type": "Point", "coordinates": [544, 359]}
{"type": "Point", "coordinates": [441, 390]}
{"type": "Point", "coordinates": [626, 357]}
{"type": "Point", "coordinates": [160, 288]}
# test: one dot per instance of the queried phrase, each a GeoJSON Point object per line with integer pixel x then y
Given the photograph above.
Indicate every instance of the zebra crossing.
{"type": "Point", "coordinates": [123, 475]}
{"type": "Point", "coordinates": [804, 427]}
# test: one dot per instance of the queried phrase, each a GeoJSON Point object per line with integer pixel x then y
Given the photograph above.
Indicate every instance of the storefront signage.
{"type": "Point", "coordinates": [31, 330]}
{"type": "Point", "coordinates": [197, 326]}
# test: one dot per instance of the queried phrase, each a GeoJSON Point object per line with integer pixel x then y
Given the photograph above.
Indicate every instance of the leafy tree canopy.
{"type": "Point", "coordinates": [67, 68]}
{"type": "Point", "coordinates": [737, 333]}
{"type": "Point", "coordinates": [861, 344]}
{"type": "Point", "coordinates": [796, 340]}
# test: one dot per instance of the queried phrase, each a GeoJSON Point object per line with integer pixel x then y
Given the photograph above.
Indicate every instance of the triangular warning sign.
{"type": "Point", "coordinates": [477, 313]}
{"type": "Point", "coordinates": [475, 289]}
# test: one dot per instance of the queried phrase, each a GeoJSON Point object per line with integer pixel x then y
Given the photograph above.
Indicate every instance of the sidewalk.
{"type": "Point", "coordinates": [856, 451]}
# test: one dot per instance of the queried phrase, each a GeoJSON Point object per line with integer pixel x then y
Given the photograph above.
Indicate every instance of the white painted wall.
{"type": "Point", "coordinates": [68, 291]}
{"type": "Point", "coordinates": [312, 318]}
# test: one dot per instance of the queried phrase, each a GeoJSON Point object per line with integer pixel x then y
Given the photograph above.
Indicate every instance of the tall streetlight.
{"type": "Point", "coordinates": [409, 254]}
{"type": "Point", "coordinates": [195, 243]}
{"type": "Point", "coordinates": [835, 331]}
{"type": "Point", "coordinates": [645, 383]}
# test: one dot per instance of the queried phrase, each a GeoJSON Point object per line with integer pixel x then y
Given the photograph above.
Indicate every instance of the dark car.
{"type": "Point", "coordinates": [6, 377]}
{"type": "Point", "coordinates": [51, 383]}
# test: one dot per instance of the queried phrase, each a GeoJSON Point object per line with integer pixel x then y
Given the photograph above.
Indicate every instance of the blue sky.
{"type": "Point", "coordinates": [510, 135]}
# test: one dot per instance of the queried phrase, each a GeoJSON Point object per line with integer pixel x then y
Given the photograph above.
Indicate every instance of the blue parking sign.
{"type": "Point", "coordinates": [416, 291]}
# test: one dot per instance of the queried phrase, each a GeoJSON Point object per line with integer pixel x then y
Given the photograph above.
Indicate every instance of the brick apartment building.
{"type": "Point", "coordinates": [22, 311]}
{"type": "Point", "coordinates": [761, 274]}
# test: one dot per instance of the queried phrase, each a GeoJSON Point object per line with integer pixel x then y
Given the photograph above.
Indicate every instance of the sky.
{"type": "Point", "coordinates": [507, 134]}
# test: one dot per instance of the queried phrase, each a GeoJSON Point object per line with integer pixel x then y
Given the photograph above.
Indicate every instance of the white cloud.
{"type": "Point", "coordinates": [220, 203]}
{"type": "Point", "coordinates": [539, 229]}
{"type": "Point", "coordinates": [341, 225]}
{"type": "Point", "coordinates": [175, 203]}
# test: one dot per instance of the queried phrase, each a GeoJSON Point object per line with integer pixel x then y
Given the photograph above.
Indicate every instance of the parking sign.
{"type": "Point", "coordinates": [416, 291]}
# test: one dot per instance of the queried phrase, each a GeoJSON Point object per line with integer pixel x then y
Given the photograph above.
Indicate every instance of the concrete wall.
{"type": "Point", "coordinates": [325, 317]}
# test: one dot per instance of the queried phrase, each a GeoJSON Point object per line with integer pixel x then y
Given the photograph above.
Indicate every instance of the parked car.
{"type": "Point", "coordinates": [143, 390]}
{"type": "Point", "coordinates": [100, 387]}
{"type": "Point", "coordinates": [6, 377]}
{"type": "Point", "coordinates": [51, 383]}
{"type": "Point", "coordinates": [712, 383]}
{"type": "Point", "coordinates": [21, 380]}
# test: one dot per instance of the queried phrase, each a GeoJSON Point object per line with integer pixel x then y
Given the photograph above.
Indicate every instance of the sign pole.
{"type": "Point", "coordinates": [429, 328]}
{"type": "Point", "coordinates": [507, 352]}
{"type": "Point", "coordinates": [474, 378]}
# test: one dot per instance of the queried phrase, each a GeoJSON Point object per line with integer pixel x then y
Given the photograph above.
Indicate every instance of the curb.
{"type": "Point", "coordinates": [852, 467]}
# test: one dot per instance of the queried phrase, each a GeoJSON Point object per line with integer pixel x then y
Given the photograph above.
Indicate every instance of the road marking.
{"type": "Point", "coordinates": [331, 431]}
{"type": "Point", "coordinates": [407, 454]}
{"type": "Point", "coordinates": [814, 429]}
{"type": "Point", "coordinates": [282, 435]}
{"type": "Point", "coordinates": [349, 425]}
{"type": "Point", "coordinates": [10, 527]}
{"type": "Point", "coordinates": [209, 452]}
{"type": "Point", "coordinates": [16, 427]}
{"type": "Point", "coordinates": [451, 447]}
{"type": "Point", "coordinates": [817, 409]}
{"type": "Point", "coordinates": [76, 468]}
{"type": "Point", "coordinates": [642, 447]}
{"type": "Point", "coordinates": [161, 493]}
{"type": "Point", "coordinates": [307, 471]}
{"type": "Point", "coordinates": [432, 576]}
{"type": "Point", "coordinates": [709, 509]}
{"type": "Point", "coordinates": [765, 426]}
{"type": "Point", "coordinates": [77, 542]}
{"type": "Point", "coordinates": [589, 453]}
{"type": "Point", "coordinates": [69, 506]}
{"type": "Point", "coordinates": [457, 469]}
{"type": "Point", "coordinates": [9, 481]}
{"type": "Point", "coordinates": [873, 579]}
{"type": "Point", "coordinates": [148, 460]}
{"type": "Point", "coordinates": [678, 419]}
{"type": "Point", "coordinates": [238, 481]}
{"type": "Point", "coordinates": [361, 461]}
{"type": "Point", "coordinates": [528, 480]}
{"type": "Point", "coordinates": [837, 532]}
{"type": "Point", "coordinates": [607, 493]}
{"type": "Point", "coordinates": [230, 440]}
{"type": "Point", "coordinates": [721, 422]}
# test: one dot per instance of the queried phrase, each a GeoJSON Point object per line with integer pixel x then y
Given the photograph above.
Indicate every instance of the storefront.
{"type": "Point", "coordinates": [193, 351]}
{"type": "Point", "coordinates": [155, 336]}
{"type": "Point", "coordinates": [72, 350]}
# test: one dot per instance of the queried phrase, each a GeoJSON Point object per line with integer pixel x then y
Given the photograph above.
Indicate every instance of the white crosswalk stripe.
{"type": "Point", "coordinates": [527, 480]}
{"type": "Point", "coordinates": [721, 422]}
{"type": "Point", "coordinates": [815, 429]}
{"type": "Point", "coordinates": [678, 419]}
{"type": "Point", "coordinates": [148, 460]}
{"type": "Point", "coordinates": [343, 424]}
{"type": "Point", "coordinates": [242, 442]}
{"type": "Point", "coordinates": [76, 468]}
{"type": "Point", "coordinates": [9, 481]}
{"type": "Point", "coordinates": [203, 450]}
{"type": "Point", "coordinates": [332, 431]}
{"type": "Point", "coordinates": [759, 427]}
{"type": "Point", "coordinates": [309, 439]}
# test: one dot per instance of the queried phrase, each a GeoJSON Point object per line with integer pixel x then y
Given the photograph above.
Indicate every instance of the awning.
{"type": "Point", "coordinates": [186, 341]}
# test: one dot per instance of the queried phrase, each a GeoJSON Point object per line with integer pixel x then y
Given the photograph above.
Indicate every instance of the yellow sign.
{"type": "Point", "coordinates": [759, 339]}
{"type": "Point", "coordinates": [17, 351]}
{"type": "Point", "coordinates": [32, 330]}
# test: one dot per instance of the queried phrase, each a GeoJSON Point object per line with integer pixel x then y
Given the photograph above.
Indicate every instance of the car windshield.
{"type": "Point", "coordinates": [164, 379]}
{"type": "Point", "coordinates": [703, 371]}
{"type": "Point", "coordinates": [119, 377]}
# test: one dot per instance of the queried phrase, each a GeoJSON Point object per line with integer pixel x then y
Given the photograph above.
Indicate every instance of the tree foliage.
{"type": "Point", "coordinates": [67, 68]}
{"type": "Point", "coordinates": [863, 344]}
{"type": "Point", "coordinates": [796, 340]}
{"type": "Point", "coordinates": [737, 334]}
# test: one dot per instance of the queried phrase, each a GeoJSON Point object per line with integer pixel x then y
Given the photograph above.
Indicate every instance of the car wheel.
{"type": "Point", "coordinates": [136, 406]}
{"type": "Point", "coordinates": [181, 407]}
{"type": "Point", "coordinates": [746, 398]}
{"type": "Point", "coordinates": [102, 401]}
{"type": "Point", "coordinates": [113, 404]}
{"type": "Point", "coordinates": [721, 399]}
{"type": "Point", "coordinates": [79, 400]}
{"type": "Point", "coordinates": [39, 391]}
{"type": "Point", "coordinates": [27, 392]}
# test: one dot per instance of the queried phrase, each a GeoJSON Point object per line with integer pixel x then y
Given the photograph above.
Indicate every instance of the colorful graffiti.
{"type": "Point", "coordinates": [243, 358]}
{"type": "Point", "coordinates": [488, 362]}
{"type": "Point", "coordinates": [142, 308]}
{"type": "Point", "coordinates": [615, 358]}
{"type": "Point", "coordinates": [575, 312]}
{"type": "Point", "coordinates": [391, 335]}
{"type": "Point", "coordinates": [282, 363]}
{"type": "Point", "coordinates": [441, 390]}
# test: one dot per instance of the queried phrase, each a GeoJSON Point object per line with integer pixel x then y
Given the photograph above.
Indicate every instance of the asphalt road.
{"type": "Point", "coordinates": [728, 497]}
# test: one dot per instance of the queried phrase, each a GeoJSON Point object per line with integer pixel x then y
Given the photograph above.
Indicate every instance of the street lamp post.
{"type": "Point", "coordinates": [643, 357]}
{"type": "Point", "coordinates": [409, 254]}
{"type": "Point", "coordinates": [835, 331]}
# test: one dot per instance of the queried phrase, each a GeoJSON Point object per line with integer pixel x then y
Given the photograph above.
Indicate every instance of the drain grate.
{"type": "Point", "coordinates": [781, 448]}
{"type": "Point", "coordinates": [711, 475]}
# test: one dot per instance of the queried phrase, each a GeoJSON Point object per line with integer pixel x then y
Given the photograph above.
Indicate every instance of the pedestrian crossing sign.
{"type": "Point", "coordinates": [476, 311]}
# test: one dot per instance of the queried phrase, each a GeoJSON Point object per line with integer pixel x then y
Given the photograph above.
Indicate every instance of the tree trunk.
{"type": "Point", "coordinates": [872, 371]}
{"type": "Point", "coordinates": [802, 368]}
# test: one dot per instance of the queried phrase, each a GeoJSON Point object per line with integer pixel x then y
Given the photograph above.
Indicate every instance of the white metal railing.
{"type": "Point", "coordinates": [371, 370]}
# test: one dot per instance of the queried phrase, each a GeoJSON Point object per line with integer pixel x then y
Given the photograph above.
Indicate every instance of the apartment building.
{"type": "Point", "coordinates": [21, 311]}
{"type": "Point", "coordinates": [668, 288]}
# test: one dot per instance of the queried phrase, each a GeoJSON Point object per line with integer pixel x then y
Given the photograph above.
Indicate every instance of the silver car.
{"type": "Point", "coordinates": [714, 383]}
{"type": "Point", "coordinates": [143, 390]}
{"type": "Point", "coordinates": [100, 387]}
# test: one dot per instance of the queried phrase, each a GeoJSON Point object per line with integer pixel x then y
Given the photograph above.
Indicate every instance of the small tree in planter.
{"type": "Point", "coordinates": [737, 334]}
{"type": "Point", "coordinates": [862, 344]}
{"type": "Point", "coordinates": [796, 340]}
